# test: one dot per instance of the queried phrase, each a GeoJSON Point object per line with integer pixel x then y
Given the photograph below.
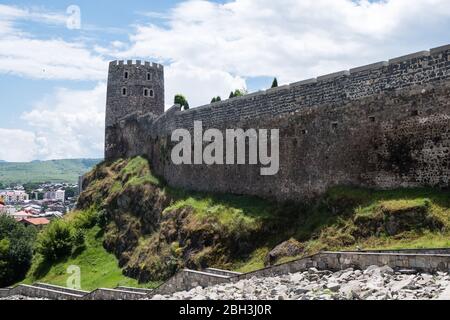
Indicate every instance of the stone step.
{"type": "Point", "coordinates": [80, 293]}
{"type": "Point", "coordinates": [114, 294]}
{"type": "Point", "coordinates": [44, 293]}
{"type": "Point", "coordinates": [221, 272]}
{"type": "Point", "coordinates": [138, 290]}
{"type": "Point", "coordinates": [4, 293]}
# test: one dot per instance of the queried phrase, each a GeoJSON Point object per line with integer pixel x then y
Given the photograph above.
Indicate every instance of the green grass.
{"type": "Point", "coordinates": [99, 269]}
{"type": "Point", "coordinates": [45, 171]}
{"type": "Point", "coordinates": [329, 223]}
{"type": "Point", "coordinates": [255, 261]}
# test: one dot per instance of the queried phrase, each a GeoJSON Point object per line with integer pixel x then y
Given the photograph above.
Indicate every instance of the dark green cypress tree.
{"type": "Point", "coordinates": [275, 83]}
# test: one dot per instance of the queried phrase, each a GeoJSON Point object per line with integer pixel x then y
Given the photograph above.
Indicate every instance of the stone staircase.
{"type": "Point", "coordinates": [79, 293]}
{"type": "Point", "coordinates": [138, 290]}
{"type": "Point", "coordinates": [115, 294]}
{"type": "Point", "coordinates": [221, 272]}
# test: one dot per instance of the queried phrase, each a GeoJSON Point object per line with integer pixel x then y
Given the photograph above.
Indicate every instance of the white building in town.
{"type": "Point", "coordinates": [58, 195]}
{"type": "Point", "coordinates": [14, 196]}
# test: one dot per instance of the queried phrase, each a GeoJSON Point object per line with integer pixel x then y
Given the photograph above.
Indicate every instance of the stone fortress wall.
{"type": "Point", "coordinates": [385, 125]}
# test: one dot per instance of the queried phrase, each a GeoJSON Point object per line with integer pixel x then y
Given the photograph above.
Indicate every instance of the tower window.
{"type": "Point", "coordinates": [148, 92]}
{"type": "Point", "coordinates": [124, 92]}
{"type": "Point", "coordinates": [372, 119]}
{"type": "Point", "coordinates": [334, 125]}
{"type": "Point", "coordinates": [125, 75]}
{"type": "Point", "coordinates": [149, 76]}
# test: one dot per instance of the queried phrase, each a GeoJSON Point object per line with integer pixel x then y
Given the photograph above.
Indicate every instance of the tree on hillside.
{"type": "Point", "coordinates": [182, 101]}
{"type": "Point", "coordinates": [275, 83]}
{"type": "Point", "coordinates": [16, 250]}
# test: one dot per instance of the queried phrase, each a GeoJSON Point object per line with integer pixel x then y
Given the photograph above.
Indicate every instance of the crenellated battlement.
{"type": "Point", "coordinates": [147, 64]}
{"type": "Point", "coordinates": [134, 86]}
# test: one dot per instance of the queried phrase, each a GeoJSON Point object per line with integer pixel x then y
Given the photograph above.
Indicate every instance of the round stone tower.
{"type": "Point", "coordinates": [134, 87]}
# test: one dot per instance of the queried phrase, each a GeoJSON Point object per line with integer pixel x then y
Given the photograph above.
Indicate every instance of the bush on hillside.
{"type": "Point", "coordinates": [56, 240]}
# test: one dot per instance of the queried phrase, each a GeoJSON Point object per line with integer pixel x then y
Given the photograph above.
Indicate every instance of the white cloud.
{"type": "Point", "coordinates": [50, 59]}
{"type": "Point", "coordinates": [25, 55]}
{"type": "Point", "coordinates": [17, 145]}
{"type": "Point", "coordinates": [198, 84]}
{"type": "Point", "coordinates": [69, 123]}
{"type": "Point", "coordinates": [208, 49]}
{"type": "Point", "coordinates": [34, 13]}
{"type": "Point", "coordinates": [291, 39]}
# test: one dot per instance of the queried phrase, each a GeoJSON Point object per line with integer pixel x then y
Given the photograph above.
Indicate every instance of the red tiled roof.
{"type": "Point", "coordinates": [37, 221]}
{"type": "Point", "coordinates": [22, 213]}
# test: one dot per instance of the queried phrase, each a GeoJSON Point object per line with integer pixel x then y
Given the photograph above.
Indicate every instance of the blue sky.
{"type": "Point", "coordinates": [53, 79]}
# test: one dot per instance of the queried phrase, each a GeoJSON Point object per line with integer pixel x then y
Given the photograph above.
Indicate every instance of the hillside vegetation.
{"type": "Point", "coordinates": [153, 230]}
{"type": "Point", "coordinates": [45, 171]}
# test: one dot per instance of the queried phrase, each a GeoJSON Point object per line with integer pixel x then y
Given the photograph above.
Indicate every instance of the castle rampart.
{"type": "Point", "coordinates": [383, 125]}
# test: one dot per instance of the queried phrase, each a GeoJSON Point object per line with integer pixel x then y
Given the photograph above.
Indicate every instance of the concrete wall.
{"type": "Point", "coordinates": [60, 288]}
{"type": "Point", "coordinates": [189, 279]}
{"type": "Point", "coordinates": [381, 126]}
{"type": "Point", "coordinates": [37, 292]}
{"type": "Point", "coordinates": [113, 294]}
{"type": "Point", "coordinates": [427, 263]}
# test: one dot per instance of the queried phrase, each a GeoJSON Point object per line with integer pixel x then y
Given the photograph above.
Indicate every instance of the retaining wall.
{"type": "Point", "coordinates": [432, 261]}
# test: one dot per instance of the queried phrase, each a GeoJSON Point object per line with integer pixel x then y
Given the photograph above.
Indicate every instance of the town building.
{"type": "Point", "coordinates": [58, 195]}
{"type": "Point", "coordinates": [14, 196]}
{"type": "Point", "coordinates": [37, 222]}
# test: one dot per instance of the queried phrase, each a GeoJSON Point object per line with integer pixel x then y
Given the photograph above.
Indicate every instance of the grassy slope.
{"type": "Point", "coordinates": [318, 228]}
{"type": "Point", "coordinates": [99, 269]}
{"type": "Point", "coordinates": [45, 171]}
{"type": "Point", "coordinates": [338, 220]}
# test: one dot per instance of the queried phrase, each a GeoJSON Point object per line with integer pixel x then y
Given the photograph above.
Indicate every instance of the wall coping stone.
{"type": "Point", "coordinates": [59, 288]}
{"type": "Point", "coordinates": [372, 66]}
{"type": "Point", "coordinates": [411, 56]}
{"type": "Point", "coordinates": [205, 274]}
{"type": "Point", "coordinates": [440, 49]}
{"type": "Point", "coordinates": [333, 75]}
{"type": "Point", "coordinates": [227, 271]}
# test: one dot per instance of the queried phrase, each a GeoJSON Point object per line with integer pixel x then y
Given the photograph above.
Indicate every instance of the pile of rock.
{"type": "Point", "coordinates": [374, 283]}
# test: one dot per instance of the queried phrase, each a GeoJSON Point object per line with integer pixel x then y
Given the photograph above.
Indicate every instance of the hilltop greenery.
{"type": "Point", "coordinates": [182, 101]}
{"type": "Point", "coordinates": [147, 231]}
{"type": "Point", "coordinates": [44, 171]}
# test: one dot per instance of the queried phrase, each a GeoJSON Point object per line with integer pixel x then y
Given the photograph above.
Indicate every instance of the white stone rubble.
{"type": "Point", "coordinates": [21, 298]}
{"type": "Point", "coordinates": [374, 283]}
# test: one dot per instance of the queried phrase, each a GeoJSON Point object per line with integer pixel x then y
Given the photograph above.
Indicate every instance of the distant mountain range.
{"type": "Point", "coordinates": [45, 171]}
